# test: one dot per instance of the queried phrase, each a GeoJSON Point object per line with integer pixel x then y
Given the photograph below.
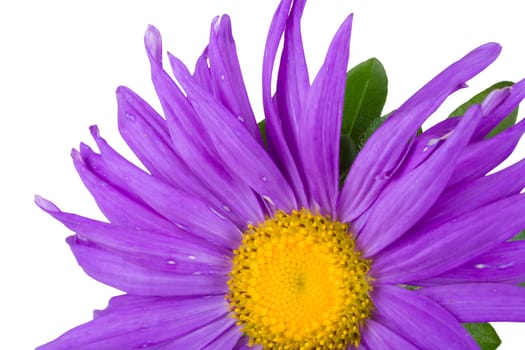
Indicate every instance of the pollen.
{"type": "Point", "coordinates": [298, 282]}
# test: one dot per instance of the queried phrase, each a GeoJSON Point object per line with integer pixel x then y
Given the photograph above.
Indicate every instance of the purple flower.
{"type": "Point", "coordinates": [228, 241]}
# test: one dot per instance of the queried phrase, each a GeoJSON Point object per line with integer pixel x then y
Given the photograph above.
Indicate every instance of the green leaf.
{"type": "Point", "coordinates": [347, 153]}
{"type": "Point", "coordinates": [519, 237]}
{"type": "Point", "coordinates": [262, 129]}
{"type": "Point", "coordinates": [484, 334]}
{"type": "Point", "coordinates": [365, 96]}
{"type": "Point", "coordinates": [505, 123]}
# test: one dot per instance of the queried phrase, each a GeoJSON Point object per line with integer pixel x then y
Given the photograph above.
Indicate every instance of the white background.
{"type": "Point", "coordinates": [60, 63]}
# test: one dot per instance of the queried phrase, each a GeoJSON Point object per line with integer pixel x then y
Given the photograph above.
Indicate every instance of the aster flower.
{"type": "Point", "coordinates": [229, 241]}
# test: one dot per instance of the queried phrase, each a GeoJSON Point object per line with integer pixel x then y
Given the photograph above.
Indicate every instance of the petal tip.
{"type": "Point", "coordinates": [153, 43]}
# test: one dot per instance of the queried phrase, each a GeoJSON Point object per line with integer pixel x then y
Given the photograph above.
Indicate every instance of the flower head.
{"type": "Point", "coordinates": [229, 241]}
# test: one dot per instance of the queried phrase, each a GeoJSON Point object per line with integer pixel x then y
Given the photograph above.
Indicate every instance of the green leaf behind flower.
{"type": "Point", "coordinates": [365, 96]}
{"type": "Point", "coordinates": [484, 334]}
{"type": "Point", "coordinates": [262, 129]}
{"type": "Point", "coordinates": [505, 123]}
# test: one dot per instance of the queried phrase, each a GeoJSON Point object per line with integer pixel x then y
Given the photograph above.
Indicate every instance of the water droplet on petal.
{"type": "Point", "coordinates": [480, 266]}
{"type": "Point", "coordinates": [192, 257]}
{"type": "Point", "coordinates": [268, 200]}
{"type": "Point", "coordinates": [183, 227]}
{"type": "Point", "coordinates": [171, 262]}
{"type": "Point", "coordinates": [130, 116]}
{"type": "Point", "coordinates": [240, 118]}
{"type": "Point", "coordinates": [226, 208]}
{"type": "Point", "coordinates": [214, 211]}
{"type": "Point", "coordinates": [264, 179]}
{"type": "Point", "coordinates": [223, 77]}
{"type": "Point", "coordinates": [196, 273]}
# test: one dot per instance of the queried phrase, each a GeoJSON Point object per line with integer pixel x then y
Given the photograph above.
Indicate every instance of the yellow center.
{"type": "Point", "coordinates": [298, 282]}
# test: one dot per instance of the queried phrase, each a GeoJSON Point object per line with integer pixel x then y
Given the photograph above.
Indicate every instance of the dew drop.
{"type": "Point", "coordinates": [480, 266]}
{"type": "Point", "coordinates": [214, 211]}
{"type": "Point", "coordinates": [196, 273]}
{"type": "Point", "coordinates": [138, 228]}
{"type": "Point", "coordinates": [226, 208]}
{"type": "Point", "coordinates": [192, 257]}
{"type": "Point", "coordinates": [171, 262]}
{"type": "Point", "coordinates": [130, 116]}
{"type": "Point", "coordinates": [223, 77]}
{"type": "Point", "coordinates": [240, 118]}
{"type": "Point", "coordinates": [432, 142]}
{"type": "Point", "coordinates": [264, 179]}
{"type": "Point", "coordinates": [183, 227]}
{"type": "Point", "coordinates": [268, 200]}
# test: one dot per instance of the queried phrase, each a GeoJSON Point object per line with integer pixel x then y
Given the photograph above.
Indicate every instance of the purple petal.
{"type": "Point", "coordinates": [377, 336]}
{"type": "Point", "coordinates": [480, 302]}
{"type": "Point", "coordinates": [186, 211]}
{"type": "Point", "coordinates": [116, 270]}
{"type": "Point", "coordinates": [418, 319]}
{"type": "Point", "coordinates": [293, 81]}
{"type": "Point", "coordinates": [481, 157]}
{"type": "Point", "coordinates": [320, 124]}
{"type": "Point", "coordinates": [468, 196]}
{"type": "Point", "coordinates": [226, 75]}
{"type": "Point", "coordinates": [174, 252]}
{"type": "Point", "coordinates": [277, 139]}
{"type": "Point", "coordinates": [431, 251]}
{"type": "Point", "coordinates": [147, 135]}
{"type": "Point", "coordinates": [236, 148]}
{"type": "Point", "coordinates": [227, 340]}
{"type": "Point", "coordinates": [408, 197]}
{"type": "Point", "coordinates": [205, 336]}
{"type": "Point", "coordinates": [202, 72]}
{"type": "Point", "coordinates": [428, 142]}
{"type": "Point", "coordinates": [504, 263]}
{"type": "Point", "coordinates": [142, 323]}
{"type": "Point", "coordinates": [197, 152]}
{"type": "Point", "coordinates": [498, 111]}
{"type": "Point", "coordinates": [116, 205]}
{"type": "Point", "coordinates": [386, 148]}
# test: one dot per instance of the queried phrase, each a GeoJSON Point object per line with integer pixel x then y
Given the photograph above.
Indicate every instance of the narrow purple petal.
{"type": "Point", "coordinates": [202, 71]}
{"type": "Point", "coordinates": [143, 323]}
{"type": "Point", "coordinates": [278, 142]}
{"type": "Point", "coordinates": [428, 142]}
{"type": "Point", "coordinates": [228, 340]}
{"type": "Point", "coordinates": [116, 205]}
{"type": "Point", "coordinates": [516, 93]}
{"type": "Point", "coordinates": [377, 336]}
{"type": "Point", "coordinates": [467, 196]}
{"type": "Point", "coordinates": [432, 251]}
{"type": "Point", "coordinates": [188, 212]}
{"type": "Point", "coordinates": [504, 263]}
{"type": "Point", "coordinates": [293, 81]}
{"type": "Point", "coordinates": [240, 152]}
{"type": "Point", "coordinates": [114, 269]}
{"type": "Point", "coordinates": [197, 152]}
{"type": "Point", "coordinates": [226, 75]}
{"type": "Point", "coordinates": [147, 135]}
{"type": "Point", "coordinates": [481, 157]}
{"type": "Point", "coordinates": [480, 302]}
{"type": "Point", "coordinates": [176, 252]}
{"type": "Point", "coordinates": [386, 148]}
{"type": "Point", "coordinates": [420, 320]}
{"type": "Point", "coordinates": [203, 337]}
{"type": "Point", "coordinates": [408, 197]}
{"type": "Point", "coordinates": [320, 124]}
